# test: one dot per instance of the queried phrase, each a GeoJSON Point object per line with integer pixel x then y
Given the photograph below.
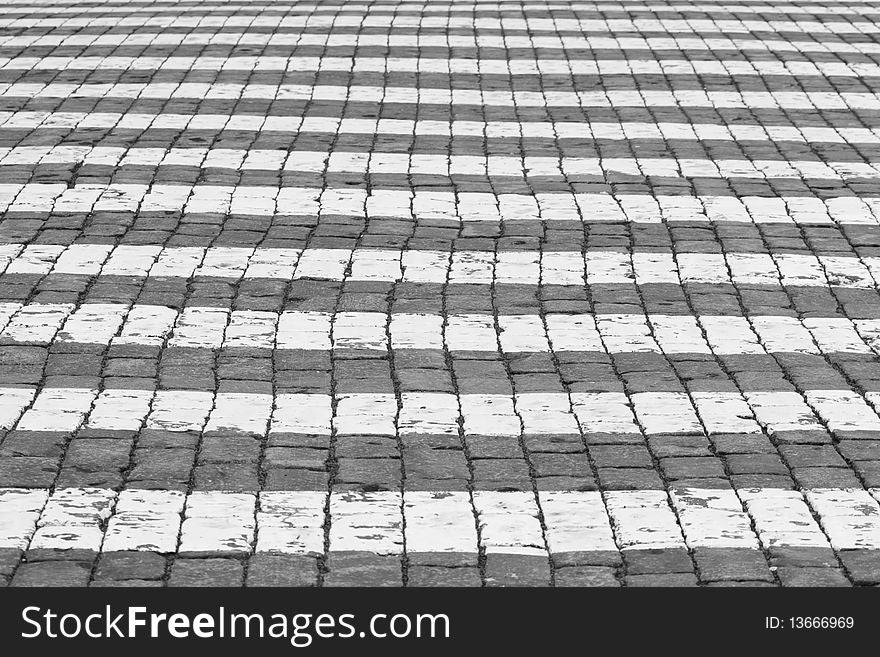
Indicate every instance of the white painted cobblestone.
{"type": "Point", "coordinates": [556, 268]}
{"type": "Point", "coordinates": [213, 328]}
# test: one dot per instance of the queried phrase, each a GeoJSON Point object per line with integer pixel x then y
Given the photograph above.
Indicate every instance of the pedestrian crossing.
{"type": "Point", "coordinates": [383, 414]}
{"type": "Point", "coordinates": [451, 66]}
{"type": "Point", "coordinates": [426, 205]}
{"type": "Point", "coordinates": [510, 522]}
{"type": "Point", "coordinates": [613, 98]}
{"type": "Point", "coordinates": [518, 267]}
{"type": "Point", "coordinates": [436, 165]}
{"type": "Point", "coordinates": [483, 293]}
{"type": "Point", "coordinates": [427, 21]}
{"type": "Point", "coordinates": [478, 7]}
{"type": "Point", "coordinates": [568, 41]}
{"type": "Point", "coordinates": [211, 327]}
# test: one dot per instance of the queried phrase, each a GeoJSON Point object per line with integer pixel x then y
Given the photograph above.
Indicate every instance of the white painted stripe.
{"type": "Point", "coordinates": [435, 96]}
{"type": "Point", "coordinates": [444, 6]}
{"type": "Point", "coordinates": [418, 206]}
{"type": "Point", "coordinates": [412, 39]}
{"type": "Point", "coordinates": [430, 164]}
{"type": "Point", "coordinates": [477, 23]}
{"type": "Point", "coordinates": [293, 522]}
{"type": "Point", "coordinates": [66, 409]}
{"type": "Point", "coordinates": [477, 267]}
{"type": "Point", "coordinates": [453, 65]}
{"type": "Point", "coordinates": [53, 9]}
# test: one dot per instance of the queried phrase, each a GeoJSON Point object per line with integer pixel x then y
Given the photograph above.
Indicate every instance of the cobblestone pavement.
{"type": "Point", "coordinates": [398, 292]}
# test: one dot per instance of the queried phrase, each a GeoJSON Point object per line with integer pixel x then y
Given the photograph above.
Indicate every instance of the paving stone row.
{"type": "Point", "coordinates": [806, 55]}
{"type": "Point", "coordinates": [267, 161]}
{"type": "Point", "coordinates": [427, 538]}
{"type": "Point", "coordinates": [829, 12]}
{"type": "Point", "coordinates": [426, 22]}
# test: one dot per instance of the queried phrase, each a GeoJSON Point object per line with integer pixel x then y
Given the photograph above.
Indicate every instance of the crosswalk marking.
{"type": "Point", "coordinates": [593, 267]}
{"type": "Point", "coordinates": [28, 7]}
{"type": "Point", "coordinates": [66, 409]}
{"type": "Point", "coordinates": [437, 96]}
{"type": "Point", "coordinates": [222, 522]}
{"type": "Point", "coordinates": [465, 207]}
{"type": "Point", "coordinates": [492, 292]}
{"type": "Point", "coordinates": [536, 24]}
{"type": "Point", "coordinates": [449, 66]}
